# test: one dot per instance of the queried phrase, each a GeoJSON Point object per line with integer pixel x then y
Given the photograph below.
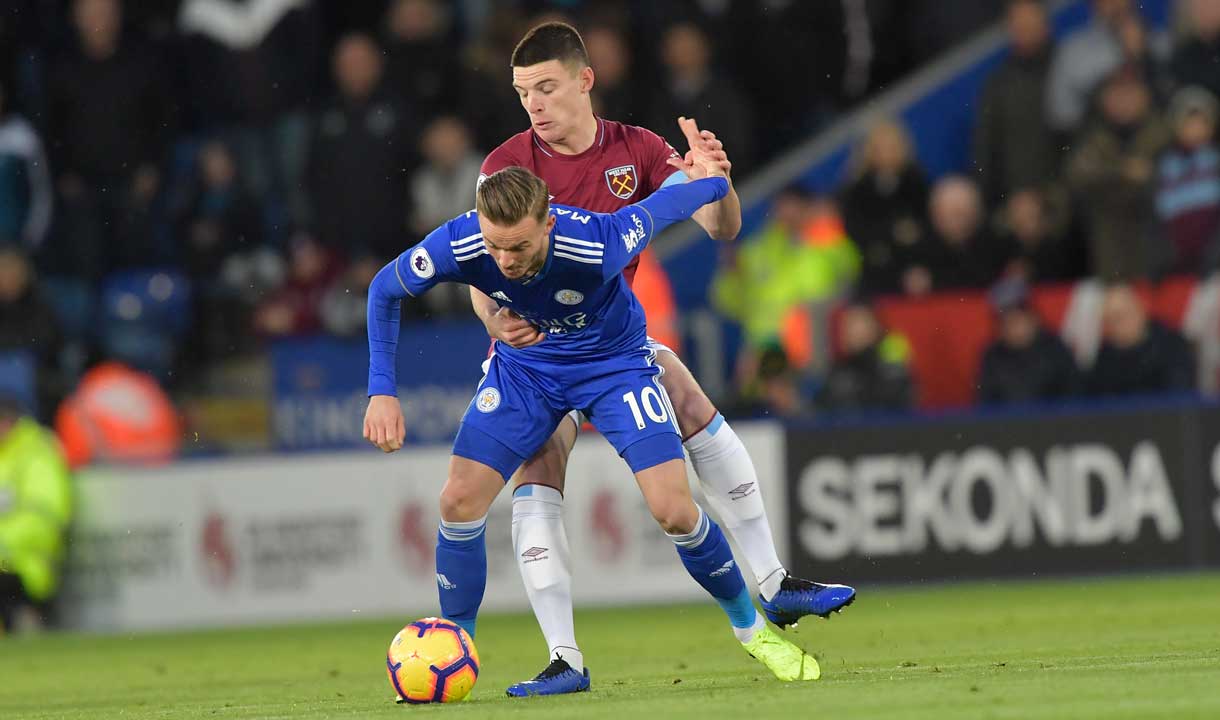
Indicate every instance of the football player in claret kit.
{"type": "Point", "coordinates": [564, 274]}
{"type": "Point", "coordinates": [601, 165]}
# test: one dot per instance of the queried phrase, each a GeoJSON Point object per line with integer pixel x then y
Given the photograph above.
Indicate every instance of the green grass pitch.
{"type": "Point", "coordinates": [1111, 648]}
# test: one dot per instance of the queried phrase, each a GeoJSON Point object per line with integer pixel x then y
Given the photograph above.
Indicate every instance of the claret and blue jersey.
{"type": "Point", "coordinates": [595, 357]}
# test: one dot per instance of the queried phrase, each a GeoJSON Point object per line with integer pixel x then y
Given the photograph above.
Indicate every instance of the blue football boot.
{"type": "Point", "coordinates": [797, 598]}
{"type": "Point", "coordinates": [558, 678]}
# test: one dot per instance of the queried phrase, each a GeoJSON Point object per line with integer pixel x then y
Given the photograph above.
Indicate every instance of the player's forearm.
{"type": "Point", "coordinates": [483, 306]}
{"type": "Point", "coordinates": [385, 297]}
{"type": "Point", "coordinates": [722, 219]}
{"type": "Point", "coordinates": [675, 203]}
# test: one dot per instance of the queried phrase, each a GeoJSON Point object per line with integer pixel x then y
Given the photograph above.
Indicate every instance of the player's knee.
{"type": "Point", "coordinates": [676, 515]}
{"type": "Point", "coordinates": [461, 502]}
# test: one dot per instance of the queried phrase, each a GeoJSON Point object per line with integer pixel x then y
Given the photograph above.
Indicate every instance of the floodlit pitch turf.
{"type": "Point", "coordinates": [1115, 648]}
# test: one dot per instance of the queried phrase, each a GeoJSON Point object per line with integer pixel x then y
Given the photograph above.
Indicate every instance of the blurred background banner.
{"type": "Point", "coordinates": [321, 385]}
{"type": "Point", "coordinates": [332, 535]}
{"type": "Point", "coordinates": [1069, 490]}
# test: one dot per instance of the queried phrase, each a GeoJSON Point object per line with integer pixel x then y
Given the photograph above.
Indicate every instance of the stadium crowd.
{"type": "Point", "coordinates": [1093, 158]}
{"type": "Point", "coordinates": [182, 182]}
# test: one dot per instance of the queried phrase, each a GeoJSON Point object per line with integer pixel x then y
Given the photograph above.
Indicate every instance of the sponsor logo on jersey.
{"type": "Point", "coordinates": [421, 263]}
{"type": "Point", "coordinates": [635, 235]}
{"type": "Point", "coordinates": [488, 400]}
{"type": "Point", "coordinates": [622, 181]}
{"type": "Point", "coordinates": [569, 297]}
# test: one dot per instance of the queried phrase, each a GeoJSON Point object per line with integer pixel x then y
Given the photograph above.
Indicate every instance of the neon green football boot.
{"type": "Point", "coordinates": [787, 661]}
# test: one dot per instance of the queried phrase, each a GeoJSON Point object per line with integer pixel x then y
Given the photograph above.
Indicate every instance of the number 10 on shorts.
{"type": "Point", "coordinates": [653, 406]}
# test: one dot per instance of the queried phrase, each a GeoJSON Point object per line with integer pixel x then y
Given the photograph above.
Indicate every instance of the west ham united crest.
{"type": "Point", "coordinates": [622, 181]}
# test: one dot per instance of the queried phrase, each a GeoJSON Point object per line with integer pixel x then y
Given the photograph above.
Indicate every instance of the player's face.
{"type": "Point", "coordinates": [556, 96]}
{"type": "Point", "coordinates": [519, 250]}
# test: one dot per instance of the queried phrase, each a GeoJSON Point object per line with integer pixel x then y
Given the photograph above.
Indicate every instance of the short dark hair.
{"type": "Point", "coordinates": [550, 41]}
{"type": "Point", "coordinates": [510, 195]}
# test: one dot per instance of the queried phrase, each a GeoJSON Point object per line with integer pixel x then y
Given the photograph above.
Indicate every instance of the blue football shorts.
{"type": "Point", "coordinates": [518, 406]}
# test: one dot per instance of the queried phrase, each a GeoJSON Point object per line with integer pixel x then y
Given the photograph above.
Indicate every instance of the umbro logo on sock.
{"type": "Point", "coordinates": [741, 491]}
{"type": "Point", "coordinates": [535, 554]}
{"type": "Point", "coordinates": [444, 582]}
{"type": "Point", "coordinates": [500, 296]}
{"type": "Point", "coordinates": [724, 569]}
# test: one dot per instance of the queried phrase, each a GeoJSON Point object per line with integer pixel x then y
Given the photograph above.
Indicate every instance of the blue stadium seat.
{"type": "Point", "coordinates": [143, 315]}
{"type": "Point", "coordinates": [18, 371]}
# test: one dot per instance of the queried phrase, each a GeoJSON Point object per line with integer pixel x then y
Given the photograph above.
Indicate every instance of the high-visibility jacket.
{"type": "Point", "coordinates": [118, 414]}
{"type": "Point", "coordinates": [35, 507]}
{"type": "Point", "coordinates": [776, 273]}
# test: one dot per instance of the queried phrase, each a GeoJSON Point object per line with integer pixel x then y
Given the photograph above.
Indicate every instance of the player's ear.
{"type": "Point", "coordinates": [586, 79]}
{"type": "Point", "coordinates": [550, 223]}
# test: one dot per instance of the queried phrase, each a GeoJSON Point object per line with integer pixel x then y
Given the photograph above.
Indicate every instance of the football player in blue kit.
{"type": "Point", "coordinates": [560, 268]}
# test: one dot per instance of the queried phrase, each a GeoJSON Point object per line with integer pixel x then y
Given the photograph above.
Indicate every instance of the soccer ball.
{"type": "Point", "coordinates": [432, 661]}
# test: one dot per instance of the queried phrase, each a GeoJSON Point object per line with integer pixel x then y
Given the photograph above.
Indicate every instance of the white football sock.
{"type": "Point", "coordinates": [730, 484]}
{"type": "Point", "coordinates": [745, 635]}
{"type": "Point", "coordinates": [543, 557]}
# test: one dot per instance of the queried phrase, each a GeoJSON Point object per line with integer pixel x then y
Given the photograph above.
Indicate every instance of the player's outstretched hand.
{"type": "Point", "coordinates": [509, 327]}
{"type": "Point", "coordinates": [383, 424]}
{"type": "Point", "coordinates": [704, 148]}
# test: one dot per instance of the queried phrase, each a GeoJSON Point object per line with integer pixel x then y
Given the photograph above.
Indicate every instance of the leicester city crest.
{"type": "Point", "coordinates": [569, 297]}
{"type": "Point", "coordinates": [487, 400]}
{"type": "Point", "coordinates": [622, 181]}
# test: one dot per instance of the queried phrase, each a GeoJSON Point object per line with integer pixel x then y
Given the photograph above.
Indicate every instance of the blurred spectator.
{"type": "Point", "coordinates": [884, 206]}
{"type": "Point", "coordinates": [345, 304]}
{"type": "Point", "coordinates": [800, 256]}
{"type": "Point", "coordinates": [28, 323]}
{"type": "Point", "coordinates": [219, 217]}
{"type": "Point", "coordinates": [218, 223]}
{"type": "Point", "coordinates": [252, 69]}
{"type": "Point", "coordinates": [443, 187]}
{"type": "Point", "coordinates": [423, 66]}
{"type": "Point", "coordinates": [833, 37]}
{"type": "Point", "coordinates": [656, 295]}
{"type": "Point", "coordinates": [1196, 60]}
{"type": "Point", "coordinates": [35, 511]}
{"type": "Point", "coordinates": [960, 252]}
{"type": "Point", "coordinates": [770, 386]}
{"type": "Point", "coordinates": [1188, 184]}
{"type": "Point", "coordinates": [1114, 37]}
{"type": "Point", "coordinates": [108, 122]}
{"type": "Point", "coordinates": [361, 157]}
{"type": "Point", "coordinates": [25, 181]}
{"type": "Point", "coordinates": [1026, 362]}
{"type": "Point", "coordinates": [691, 87]}
{"type": "Point", "coordinates": [118, 415]}
{"type": "Point", "coordinates": [872, 370]}
{"type": "Point", "coordinates": [615, 91]}
{"type": "Point", "coordinates": [1111, 174]}
{"type": "Point", "coordinates": [295, 309]}
{"type": "Point", "coordinates": [1030, 232]}
{"type": "Point", "coordinates": [1013, 147]}
{"type": "Point", "coordinates": [1138, 355]}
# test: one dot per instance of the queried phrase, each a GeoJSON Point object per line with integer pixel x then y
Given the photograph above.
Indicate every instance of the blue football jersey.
{"type": "Point", "coordinates": [579, 298]}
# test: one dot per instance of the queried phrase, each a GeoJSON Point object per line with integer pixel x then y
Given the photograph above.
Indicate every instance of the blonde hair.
{"type": "Point", "coordinates": [510, 195]}
{"type": "Point", "coordinates": [864, 156]}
